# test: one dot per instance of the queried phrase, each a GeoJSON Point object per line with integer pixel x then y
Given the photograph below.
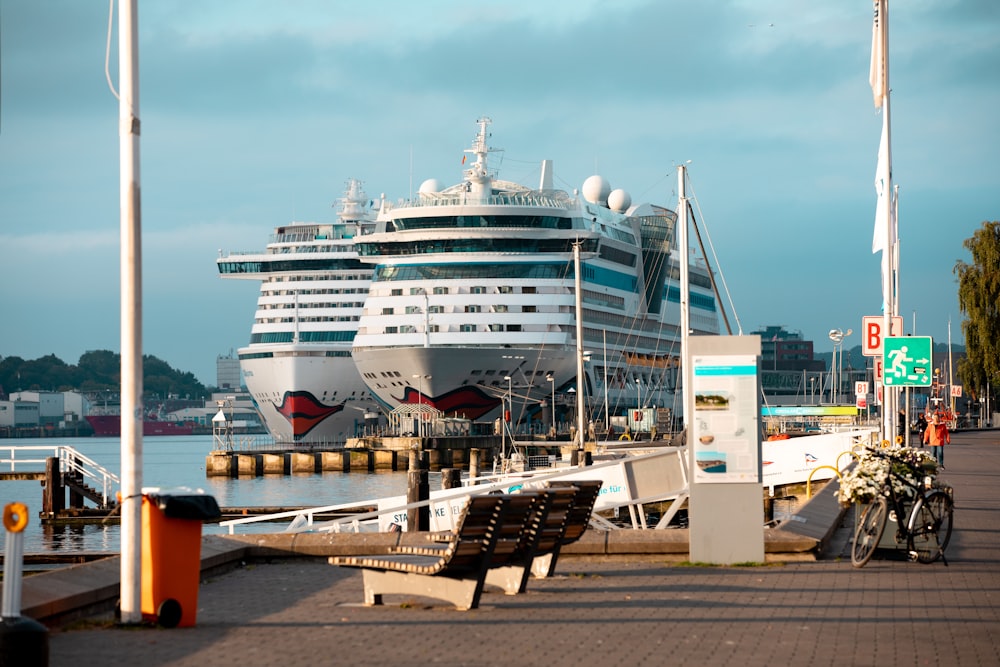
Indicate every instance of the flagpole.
{"type": "Point", "coordinates": [885, 219]}
{"type": "Point", "coordinates": [131, 314]}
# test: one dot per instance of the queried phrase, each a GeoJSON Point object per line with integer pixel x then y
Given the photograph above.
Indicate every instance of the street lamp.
{"type": "Point", "coordinates": [837, 336]}
{"type": "Point", "coordinates": [552, 409]}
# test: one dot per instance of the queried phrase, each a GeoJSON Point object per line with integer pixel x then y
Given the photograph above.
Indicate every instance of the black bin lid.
{"type": "Point", "coordinates": [184, 504]}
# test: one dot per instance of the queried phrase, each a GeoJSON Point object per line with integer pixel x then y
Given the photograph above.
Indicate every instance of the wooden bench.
{"type": "Point", "coordinates": [560, 520]}
{"type": "Point", "coordinates": [489, 528]}
{"type": "Point", "coordinates": [541, 538]}
{"type": "Point", "coordinates": [577, 521]}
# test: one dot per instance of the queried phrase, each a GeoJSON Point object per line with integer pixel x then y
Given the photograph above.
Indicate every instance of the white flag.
{"type": "Point", "coordinates": [880, 240]}
{"type": "Point", "coordinates": [884, 236]}
{"type": "Point", "coordinates": [876, 75]}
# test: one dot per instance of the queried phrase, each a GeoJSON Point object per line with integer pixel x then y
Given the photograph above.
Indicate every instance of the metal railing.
{"type": "Point", "coordinates": [71, 460]}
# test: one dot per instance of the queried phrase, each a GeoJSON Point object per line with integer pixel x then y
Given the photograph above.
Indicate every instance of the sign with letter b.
{"type": "Point", "coordinates": [871, 331]}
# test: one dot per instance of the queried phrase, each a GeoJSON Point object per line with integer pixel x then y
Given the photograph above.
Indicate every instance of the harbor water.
{"type": "Point", "coordinates": [173, 462]}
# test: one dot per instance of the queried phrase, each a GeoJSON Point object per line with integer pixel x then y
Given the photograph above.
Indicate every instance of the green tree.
{"type": "Point", "coordinates": [979, 301]}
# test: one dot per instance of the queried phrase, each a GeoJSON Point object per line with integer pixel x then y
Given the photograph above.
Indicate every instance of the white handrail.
{"type": "Point", "coordinates": [70, 459]}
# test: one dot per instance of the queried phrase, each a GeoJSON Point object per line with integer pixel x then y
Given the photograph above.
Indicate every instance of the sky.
{"type": "Point", "coordinates": [255, 113]}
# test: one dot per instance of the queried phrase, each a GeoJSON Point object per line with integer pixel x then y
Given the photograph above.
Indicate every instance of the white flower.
{"type": "Point", "coordinates": [867, 479]}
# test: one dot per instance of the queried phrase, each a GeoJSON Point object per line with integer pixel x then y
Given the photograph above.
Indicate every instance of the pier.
{"type": "Point", "coordinates": [357, 455]}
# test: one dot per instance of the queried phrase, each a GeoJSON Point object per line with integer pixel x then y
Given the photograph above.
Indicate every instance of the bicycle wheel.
{"type": "Point", "coordinates": [930, 526]}
{"type": "Point", "coordinates": [869, 531]}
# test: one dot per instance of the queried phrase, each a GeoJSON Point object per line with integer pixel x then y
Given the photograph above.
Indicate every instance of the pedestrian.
{"type": "Point", "coordinates": [921, 426]}
{"type": "Point", "coordinates": [937, 436]}
{"type": "Point", "coordinates": [901, 428]}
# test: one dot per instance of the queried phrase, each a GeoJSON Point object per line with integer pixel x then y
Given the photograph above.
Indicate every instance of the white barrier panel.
{"type": "Point", "coordinates": [791, 461]}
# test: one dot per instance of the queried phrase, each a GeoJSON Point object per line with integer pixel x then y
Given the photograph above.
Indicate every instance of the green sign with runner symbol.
{"type": "Point", "coordinates": [906, 361]}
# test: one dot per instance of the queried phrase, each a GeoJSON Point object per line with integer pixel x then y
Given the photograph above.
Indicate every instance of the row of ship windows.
{"type": "Point", "coordinates": [270, 355]}
{"type": "Point", "coordinates": [286, 265]}
{"type": "Point", "coordinates": [288, 320]}
{"type": "Point", "coordinates": [472, 308]}
{"type": "Point", "coordinates": [304, 337]}
{"type": "Point", "coordinates": [310, 304]}
{"type": "Point", "coordinates": [474, 289]}
{"type": "Point", "coordinates": [286, 250]}
{"type": "Point", "coordinates": [319, 277]}
{"type": "Point", "coordinates": [463, 328]}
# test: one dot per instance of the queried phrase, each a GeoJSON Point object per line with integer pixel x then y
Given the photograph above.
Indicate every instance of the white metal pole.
{"type": "Point", "coordinates": [580, 380]}
{"type": "Point", "coordinates": [687, 396]}
{"type": "Point", "coordinates": [607, 419]}
{"type": "Point", "coordinates": [131, 313]}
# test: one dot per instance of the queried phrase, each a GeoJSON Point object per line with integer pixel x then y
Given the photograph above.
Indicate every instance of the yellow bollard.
{"type": "Point", "coordinates": [23, 641]}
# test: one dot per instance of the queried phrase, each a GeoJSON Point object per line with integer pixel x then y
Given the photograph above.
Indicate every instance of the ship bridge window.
{"type": "Point", "coordinates": [617, 256]}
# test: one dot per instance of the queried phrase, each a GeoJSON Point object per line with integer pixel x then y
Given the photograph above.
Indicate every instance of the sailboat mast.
{"type": "Point", "coordinates": [687, 399]}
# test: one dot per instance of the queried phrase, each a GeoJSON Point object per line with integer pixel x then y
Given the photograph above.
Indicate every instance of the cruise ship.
{"type": "Point", "coordinates": [472, 305]}
{"type": "Point", "coordinates": [298, 366]}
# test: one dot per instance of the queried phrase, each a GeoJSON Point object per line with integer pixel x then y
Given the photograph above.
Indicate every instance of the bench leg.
{"type": "Point", "coordinates": [463, 593]}
{"type": "Point", "coordinates": [543, 566]}
{"type": "Point", "coordinates": [513, 579]}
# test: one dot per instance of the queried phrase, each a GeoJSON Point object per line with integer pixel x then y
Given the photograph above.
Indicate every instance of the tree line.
{"type": "Point", "coordinates": [97, 371]}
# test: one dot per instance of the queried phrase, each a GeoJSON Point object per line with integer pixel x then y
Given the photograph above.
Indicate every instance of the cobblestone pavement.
{"type": "Point", "coordinates": [601, 612]}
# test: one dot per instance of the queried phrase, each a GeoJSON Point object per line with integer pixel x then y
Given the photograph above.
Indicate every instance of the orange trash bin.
{"type": "Point", "coordinates": [171, 553]}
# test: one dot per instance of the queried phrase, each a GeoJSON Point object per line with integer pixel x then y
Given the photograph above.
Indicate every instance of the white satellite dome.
{"type": "Point", "coordinates": [431, 185]}
{"type": "Point", "coordinates": [596, 190]}
{"type": "Point", "coordinates": [619, 200]}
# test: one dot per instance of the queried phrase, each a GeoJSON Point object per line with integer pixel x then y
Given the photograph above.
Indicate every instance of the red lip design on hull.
{"type": "Point", "coordinates": [468, 402]}
{"type": "Point", "coordinates": [304, 412]}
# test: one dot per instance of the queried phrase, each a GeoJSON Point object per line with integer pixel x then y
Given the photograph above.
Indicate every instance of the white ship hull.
{"type": "Point", "coordinates": [305, 396]}
{"type": "Point", "coordinates": [471, 383]}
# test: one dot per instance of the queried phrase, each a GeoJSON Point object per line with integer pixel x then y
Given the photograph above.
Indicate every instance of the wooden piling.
{"type": "Point", "coordinates": [417, 490]}
{"type": "Point", "coordinates": [53, 496]}
{"type": "Point", "coordinates": [451, 478]}
{"type": "Point", "coordinates": [474, 463]}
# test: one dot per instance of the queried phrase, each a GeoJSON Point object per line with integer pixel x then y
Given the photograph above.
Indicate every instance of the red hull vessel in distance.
{"type": "Point", "coordinates": [110, 426]}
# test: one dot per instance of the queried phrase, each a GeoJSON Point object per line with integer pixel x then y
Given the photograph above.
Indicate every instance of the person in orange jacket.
{"type": "Point", "coordinates": [937, 436]}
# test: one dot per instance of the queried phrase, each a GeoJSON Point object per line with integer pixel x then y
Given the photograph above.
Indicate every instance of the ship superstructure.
{"type": "Point", "coordinates": [297, 366]}
{"type": "Point", "coordinates": [472, 303]}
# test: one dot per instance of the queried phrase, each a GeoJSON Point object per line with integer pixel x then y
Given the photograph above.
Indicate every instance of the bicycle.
{"type": "Point", "coordinates": [926, 530]}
